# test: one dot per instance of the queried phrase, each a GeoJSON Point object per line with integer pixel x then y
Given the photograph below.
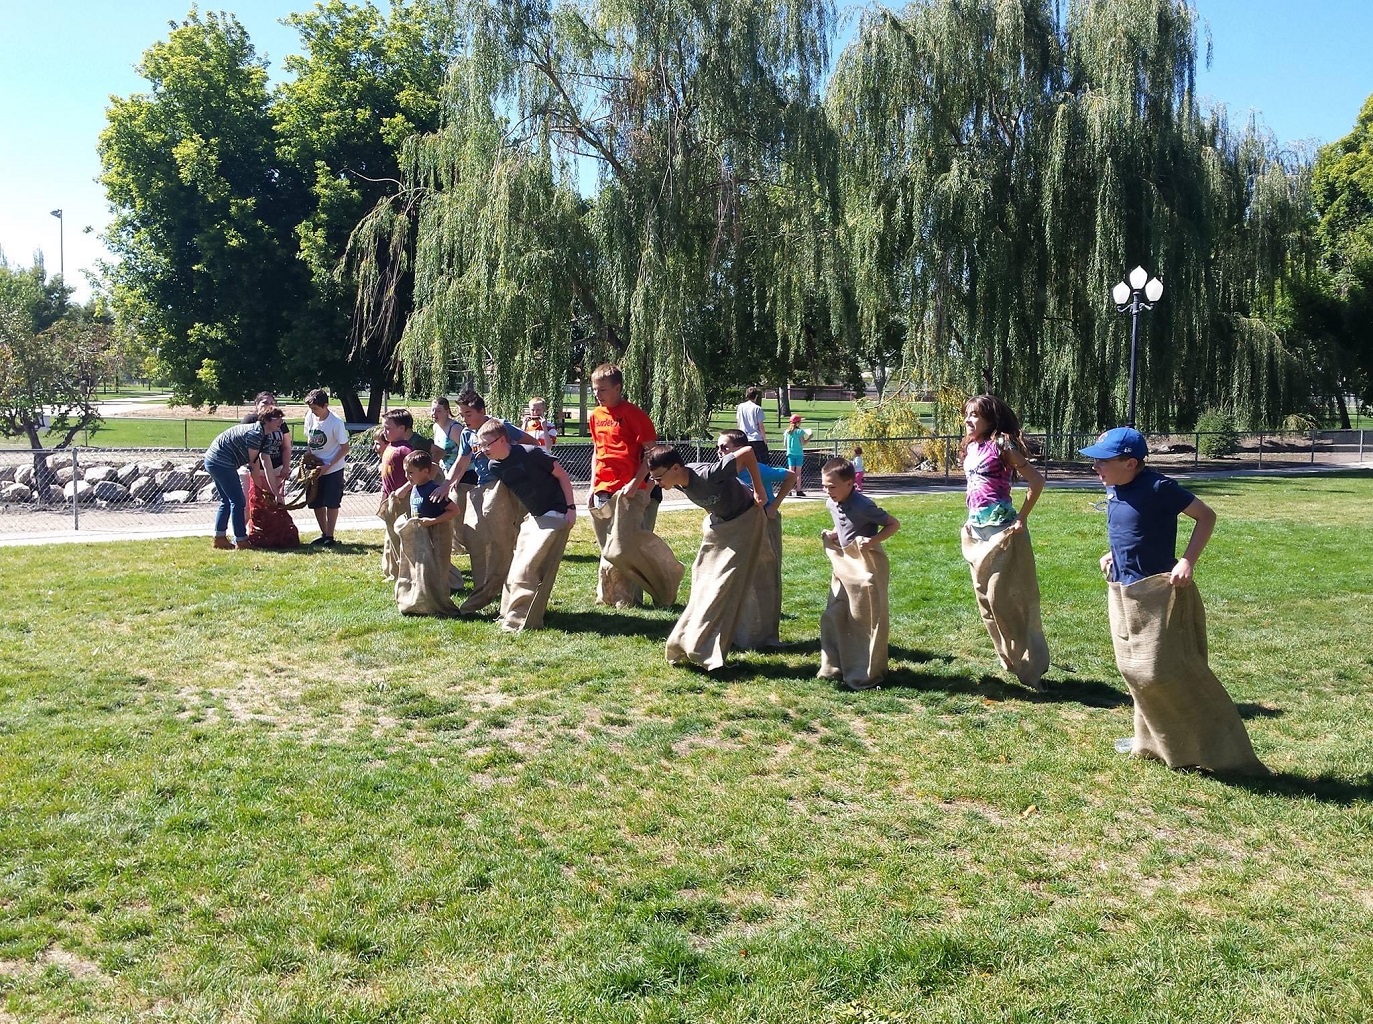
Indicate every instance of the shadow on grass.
{"type": "Point", "coordinates": [905, 673]}
{"type": "Point", "coordinates": [610, 623]}
{"type": "Point", "coordinates": [1325, 788]}
{"type": "Point", "coordinates": [1249, 710]}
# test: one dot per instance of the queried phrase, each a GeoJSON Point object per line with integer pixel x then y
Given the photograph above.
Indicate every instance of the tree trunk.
{"type": "Point", "coordinates": [374, 399]}
{"type": "Point", "coordinates": [783, 401]}
{"type": "Point", "coordinates": [350, 405]}
{"type": "Point", "coordinates": [1344, 409]}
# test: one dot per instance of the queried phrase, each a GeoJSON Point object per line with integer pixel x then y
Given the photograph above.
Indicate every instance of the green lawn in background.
{"type": "Point", "coordinates": [241, 787]}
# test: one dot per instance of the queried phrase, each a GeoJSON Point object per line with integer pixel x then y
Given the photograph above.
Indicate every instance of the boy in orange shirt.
{"type": "Point", "coordinates": [623, 509]}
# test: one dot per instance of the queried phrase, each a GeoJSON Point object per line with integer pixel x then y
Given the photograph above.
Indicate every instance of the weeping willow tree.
{"type": "Point", "coordinates": [1005, 162]}
{"type": "Point", "coordinates": [646, 180]}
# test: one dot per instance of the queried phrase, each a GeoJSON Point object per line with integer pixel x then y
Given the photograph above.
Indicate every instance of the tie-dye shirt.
{"type": "Point", "coordinates": [989, 483]}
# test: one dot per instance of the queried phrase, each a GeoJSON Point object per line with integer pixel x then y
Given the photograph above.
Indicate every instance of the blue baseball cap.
{"type": "Point", "coordinates": [1117, 442]}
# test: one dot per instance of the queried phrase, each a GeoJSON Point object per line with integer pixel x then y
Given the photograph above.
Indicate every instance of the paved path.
{"type": "Point", "coordinates": [877, 487]}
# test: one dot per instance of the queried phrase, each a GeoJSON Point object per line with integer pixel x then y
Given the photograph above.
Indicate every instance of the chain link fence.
{"type": "Point", "coordinates": [133, 490]}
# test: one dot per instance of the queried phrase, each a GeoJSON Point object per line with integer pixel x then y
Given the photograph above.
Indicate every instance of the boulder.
{"type": "Point", "coordinates": [127, 473]}
{"type": "Point", "coordinates": [173, 480]}
{"type": "Point", "coordinates": [7, 474]}
{"type": "Point", "coordinates": [109, 491]}
{"type": "Point", "coordinates": [54, 496]}
{"type": "Point", "coordinates": [13, 493]}
{"type": "Point", "coordinates": [96, 474]}
{"type": "Point", "coordinates": [64, 474]}
{"type": "Point", "coordinates": [201, 479]}
{"type": "Point", "coordinates": [24, 475]}
{"type": "Point", "coordinates": [144, 488]}
{"type": "Point", "coordinates": [57, 461]}
{"type": "Point", "coordinates": [83, 491]}
{"type": "Point", "coordinates": [178, 497]}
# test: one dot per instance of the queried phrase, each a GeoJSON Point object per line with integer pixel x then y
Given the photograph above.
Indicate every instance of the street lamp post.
{"type": "Point", "coordinates": [1140, 293]}
{"type": "Point", "coordinates": [61, 247]}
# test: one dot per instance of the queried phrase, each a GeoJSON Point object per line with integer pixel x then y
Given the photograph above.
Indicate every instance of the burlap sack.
{"type": "Point", "coordinates": [853, 628]}
{"type": "Point", "coordinates": [1183, 716]}
{"type": "Point", "coordinates": [538, 553]}
{"type": "Point", "coordinates": [269, 522]}
{"type": "Point", "coordinates": [633, 558]}
{"type": "Point", "coordinates": [1007, 589]}
{"type": "Point", "coordinates": [391, 511]}
{"type": "Point", "coordinates": [458, 494]}
{"type": "Point", "coordinates": [760, 619]}
{"type": "Point", "coordinates": [424, 564]}
{"type": "Point", "coordinates": [721, 576]}
{"type": "Point", "coordinates": [489, 528]}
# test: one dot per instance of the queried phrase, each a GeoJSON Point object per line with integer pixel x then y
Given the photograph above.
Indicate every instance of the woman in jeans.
{"type": "Point", "coordinates": [242, 445]}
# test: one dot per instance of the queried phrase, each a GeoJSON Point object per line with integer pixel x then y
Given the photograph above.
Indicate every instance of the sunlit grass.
{"type": "Point", "coordinates": [244, 788]}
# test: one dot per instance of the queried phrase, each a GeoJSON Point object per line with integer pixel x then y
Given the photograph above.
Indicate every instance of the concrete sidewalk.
{"type": "Point", "coordinates": [877, 487]}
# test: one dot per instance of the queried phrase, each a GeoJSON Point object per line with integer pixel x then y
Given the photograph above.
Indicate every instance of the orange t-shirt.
{"type": "Point", "coordinates": [620, 437]}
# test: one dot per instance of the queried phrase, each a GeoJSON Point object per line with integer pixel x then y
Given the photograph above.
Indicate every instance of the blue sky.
{"type": "Point", "coordinates": [1304, 69]}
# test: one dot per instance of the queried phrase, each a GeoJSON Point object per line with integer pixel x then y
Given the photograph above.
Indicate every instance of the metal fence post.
{"type": "Point", "coordinates": [76, 498]}
{"type": "Point", "coordinates": [1361, 444]}
{"type": "Point", "coordinates": [186, 434]}
{"type": "Point", "coordinates": [1313, 447]}
{"type": "Point", "coordinates": [1260, 451]}
{"type": "Point", "coordinates": [1196, 450]}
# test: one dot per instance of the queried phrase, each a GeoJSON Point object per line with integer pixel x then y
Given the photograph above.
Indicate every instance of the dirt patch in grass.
{"type": "Point", "coordinates": [78, 967]}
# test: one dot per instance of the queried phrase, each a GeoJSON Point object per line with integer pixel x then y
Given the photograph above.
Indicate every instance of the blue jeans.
{"type": "Point", "coordinates": [231, 500]}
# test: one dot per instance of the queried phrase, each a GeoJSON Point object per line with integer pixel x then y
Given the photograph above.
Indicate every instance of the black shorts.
{"type": "Point", "coordinates": [328, 491]}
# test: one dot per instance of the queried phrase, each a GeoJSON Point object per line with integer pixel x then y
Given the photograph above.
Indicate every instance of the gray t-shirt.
{"type": "Point", "coordinates": [856, 516]}
{"type": "Point", "coordinates": [231, 448]}
{"type": "Point", "coordinates": [716, 488]}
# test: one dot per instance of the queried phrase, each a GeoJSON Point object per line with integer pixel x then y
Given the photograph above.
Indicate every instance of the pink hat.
{"type": "Point", "coordinates": [796, 418]}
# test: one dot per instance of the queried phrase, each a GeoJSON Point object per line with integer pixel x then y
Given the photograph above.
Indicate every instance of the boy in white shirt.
{"type": "Point", "coordinates": [327, 440]}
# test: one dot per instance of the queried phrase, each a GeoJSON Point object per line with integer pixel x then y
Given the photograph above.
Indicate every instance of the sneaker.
{"type": "Point", "coordinates": [222, 543]}
{"type": "Point", "coordinates": [321, 541]}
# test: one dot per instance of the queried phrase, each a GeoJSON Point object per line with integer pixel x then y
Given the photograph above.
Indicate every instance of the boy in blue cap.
{"type": "Point", "coordinates": [1142, 513]}
{"type": "Point", "coordinates": [1183, 716]}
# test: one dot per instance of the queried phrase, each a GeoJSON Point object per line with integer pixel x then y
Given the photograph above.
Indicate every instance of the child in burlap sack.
{"type": "Point", "coordinates": [996, 540]}
{"type": "Point", "coordinates": [1183, 716]}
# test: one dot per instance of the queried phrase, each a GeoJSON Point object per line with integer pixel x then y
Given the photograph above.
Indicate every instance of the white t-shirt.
{"type": "Point", "coordinates": [325, 437]}
{"type": "Point", "coordinates": [749, 416]}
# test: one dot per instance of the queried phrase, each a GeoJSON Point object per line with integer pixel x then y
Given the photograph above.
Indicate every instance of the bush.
{"type": "Point", "coordinates": [1218, 435]}
{"type": "Point", "coordinates": [872, 421]}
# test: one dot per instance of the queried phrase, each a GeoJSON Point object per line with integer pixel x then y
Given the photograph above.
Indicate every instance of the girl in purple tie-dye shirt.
{"type": "Point", "coordinates": [993, 453]}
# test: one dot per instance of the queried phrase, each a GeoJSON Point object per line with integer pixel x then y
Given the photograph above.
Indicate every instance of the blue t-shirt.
{"type": "Point", "coordinates": [420, 505]}
{"type": "Point", "coordinates": [772, 476]}
{"type": "Point", "coordinates": [1142, 525]}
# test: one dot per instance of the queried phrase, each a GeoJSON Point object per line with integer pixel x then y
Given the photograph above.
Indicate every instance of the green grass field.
{"type": "Point", "coordinates": [243, 788]}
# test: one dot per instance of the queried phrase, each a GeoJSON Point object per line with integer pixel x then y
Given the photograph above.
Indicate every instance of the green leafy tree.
{"type": "Point", "coordinates": [52, 358]}
{"type": "Point", "coordinates": [639, 181]}
{"type": "Point", "coordinates": [1336, 307]}
{"type": "Point", "coordinates": [1004, 162]}
{"type": "Point", "coordinates": [363, 84]}
{"type": "Point", "coordinates": [205, 214]}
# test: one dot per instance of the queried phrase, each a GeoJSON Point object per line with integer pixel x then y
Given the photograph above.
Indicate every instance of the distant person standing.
{"type": "Point", "coordinates": [749, 416]}
{"type": "Point", "coordinates": [538, 426]}
{"type": "Point", "coordinates": [795, 440]}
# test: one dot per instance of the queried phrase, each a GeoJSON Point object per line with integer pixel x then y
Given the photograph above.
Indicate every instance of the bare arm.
{"type": "Point", "coordinates": [1205, 520]}
{"type": "Point", "coordinates": [748, 459]}
{"type": "Point", "coordinates": [893, 524]}
{"type": "Point", "coordinates": [1034, 481]}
